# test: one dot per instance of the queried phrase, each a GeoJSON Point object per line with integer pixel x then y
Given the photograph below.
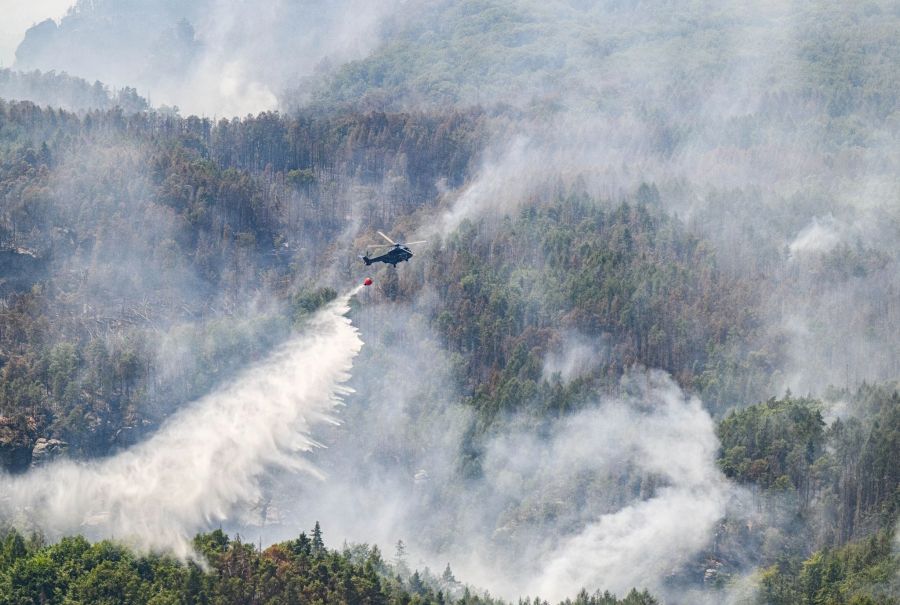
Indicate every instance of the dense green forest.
{"type": "Point", "coordinates": [835, 483]}
{"type": "Point", "coordinates": [846, 468]}
{"type": "Point", "coordinates": [231, 571]}
{"type": "Point", "coordinates": [610, 192]}
{"type": "Point", "coordinates": [860, 573]}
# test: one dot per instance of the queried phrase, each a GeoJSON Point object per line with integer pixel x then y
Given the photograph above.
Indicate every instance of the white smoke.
{"type": "Point", "coordinates": [208, 459]}
{"type": "Point", "coordinates": [579, 355]}
{"type": "Point", "coordinates": [660, 433]}
{"type": "Point", "coordinates": [253, 52]}
{"type": "Point", "coordinates": [819, 236]}
{"type": "Point", "coordinates": [527, 165]}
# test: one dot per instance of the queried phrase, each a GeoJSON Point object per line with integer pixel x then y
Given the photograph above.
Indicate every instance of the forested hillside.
{"type": "Point", "coordinates": [845, 468]}
{"type": "Point", "coordinates": [221, 207]}
{"type": "Point", "coordinates": [649, 340]}
{"type": "Point", "coordinates": [146, 256]}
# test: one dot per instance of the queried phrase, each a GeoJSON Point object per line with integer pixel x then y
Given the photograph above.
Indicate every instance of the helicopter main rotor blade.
{"type": "Point", "coordinates": [421, 241]}
{"type": "Point", "coordinates": [379, 246]}
{"type": "Point", "coordinates": [386, 237]}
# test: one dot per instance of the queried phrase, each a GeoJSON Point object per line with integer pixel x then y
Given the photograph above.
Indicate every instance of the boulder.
{"type": "Point", "coordinates": [46, 450]}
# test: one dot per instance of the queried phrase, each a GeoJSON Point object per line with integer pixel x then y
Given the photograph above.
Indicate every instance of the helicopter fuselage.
{"type": "Point", "coordinates": [395, 255]}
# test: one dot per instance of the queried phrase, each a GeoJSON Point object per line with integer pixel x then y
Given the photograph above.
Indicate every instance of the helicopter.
{"type": "Point", "coordinates": [398, 252]}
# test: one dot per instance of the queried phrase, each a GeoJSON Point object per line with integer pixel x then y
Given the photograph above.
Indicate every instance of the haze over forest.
{"type": "Point", "coordinates": [648, 353]}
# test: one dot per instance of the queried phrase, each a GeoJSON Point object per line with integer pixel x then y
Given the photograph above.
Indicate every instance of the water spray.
{"type": "Point", "coordinates": [208, 459]}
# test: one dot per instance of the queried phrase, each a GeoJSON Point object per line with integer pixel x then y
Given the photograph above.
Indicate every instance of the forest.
{"type": "Point", "coordinates": [300, 570]}
{"type": "Point", "coordinates": [649, 348]}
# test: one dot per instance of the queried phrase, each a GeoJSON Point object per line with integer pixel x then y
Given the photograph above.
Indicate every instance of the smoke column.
{"type": "Point", "coordinates": [206, 460]}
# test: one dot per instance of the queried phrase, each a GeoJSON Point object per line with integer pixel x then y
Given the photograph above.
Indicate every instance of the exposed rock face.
{"type": "Point", "coordinates": [37, 38]}
{"type": "Point", "coordinates": [46, 450]}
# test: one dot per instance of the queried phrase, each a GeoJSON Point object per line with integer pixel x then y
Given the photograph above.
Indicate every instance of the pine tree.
{"type": "Point", "coordinates": [415, 583]}
{"type": "Point", "coordinates": [318, 545]}
{"type": "Point", "coordinates": [301, 546]}
{"type": "Point", "coordinates": [12, 549]}
{"type": "Point", "coordinates": [400, 560]}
